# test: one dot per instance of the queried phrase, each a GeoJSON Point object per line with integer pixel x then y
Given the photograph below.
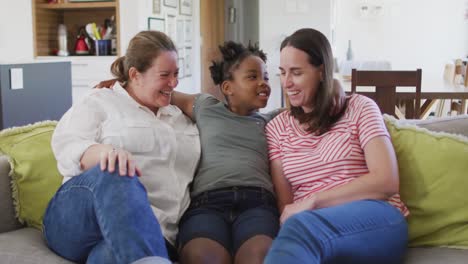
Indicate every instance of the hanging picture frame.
{"type": "Point", "coordinates": [155, 23]}
{"type": "Point", "coordinates": [180, 39]}
{"type": "Point", "coordinates": [170, 3]}
{"type": "Point", "coordinates": [156, 7]}
{"type": "Point", "coordinates": [171, 26]}
{"type": "Point", "coordinates": [188, 31]}
{"type": "Point", "coordinates": [181, 63]}
{"type": "Point", "coordinates": [185, 7]}
{"type": "Point", "coordinates": [188, 62]}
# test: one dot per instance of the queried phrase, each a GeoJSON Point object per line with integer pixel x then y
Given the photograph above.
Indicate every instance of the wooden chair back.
{"type": "Point", "coordinates": [385, 83]}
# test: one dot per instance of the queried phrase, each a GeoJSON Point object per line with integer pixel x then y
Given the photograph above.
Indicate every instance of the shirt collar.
{"type": "Point", "coordinates": [120, 90]}
{"type": "Point", "coordinates": [169, 110]}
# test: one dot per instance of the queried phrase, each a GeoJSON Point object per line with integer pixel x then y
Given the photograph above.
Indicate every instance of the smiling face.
{"type": "Point", "coordinates": [153, 88]}
{"type": "Point", "coordinates": [249, 88]}
{"type": "Point", "coordinates": [299, 79]}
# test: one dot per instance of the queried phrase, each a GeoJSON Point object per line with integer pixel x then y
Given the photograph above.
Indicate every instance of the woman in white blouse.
{"type": "Point", "coordinates": [103, 213]}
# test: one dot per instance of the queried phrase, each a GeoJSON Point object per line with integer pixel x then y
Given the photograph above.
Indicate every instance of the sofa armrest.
{"type": "Point", "coordinates": [8, 221]}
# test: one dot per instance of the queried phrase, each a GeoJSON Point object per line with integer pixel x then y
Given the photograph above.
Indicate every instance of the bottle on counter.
{"type": "Point", "coordinates": [62, 40]}
{"type": "Point", "coordinates": [458, 78]}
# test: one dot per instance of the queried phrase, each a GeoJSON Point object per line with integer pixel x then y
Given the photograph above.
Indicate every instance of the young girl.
{"type": "Point", "coordinates": [233, 215]}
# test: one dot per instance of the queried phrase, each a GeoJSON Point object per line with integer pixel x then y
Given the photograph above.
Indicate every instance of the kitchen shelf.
{"type": "Point", "coordinates": [47, 17]}
{"type": "Point", "coordinates": [88, 5]}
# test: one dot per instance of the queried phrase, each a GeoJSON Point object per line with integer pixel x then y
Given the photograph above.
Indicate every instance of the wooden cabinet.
{"type": "Point", "coordinates": [47, 17]}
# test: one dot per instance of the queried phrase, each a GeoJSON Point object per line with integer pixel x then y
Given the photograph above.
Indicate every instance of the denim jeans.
{"type": "Point", "coordinates": [99, 217]}
{"type": "Point", "coordinates": [230, 216]}
{"type": "Point", "coordinates": [366, 231]}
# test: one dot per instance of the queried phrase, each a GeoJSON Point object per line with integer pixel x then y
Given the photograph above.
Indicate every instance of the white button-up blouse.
{"type": "Point", "coordinates": [165, 146]}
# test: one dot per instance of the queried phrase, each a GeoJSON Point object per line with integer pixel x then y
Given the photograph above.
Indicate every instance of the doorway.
{"type": "Point", "coordinates": [236, 20]}
{"type": "Point", "coordinates": [212, 35]}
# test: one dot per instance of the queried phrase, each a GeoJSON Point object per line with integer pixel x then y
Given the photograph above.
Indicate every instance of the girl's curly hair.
{"type": "Point", "coordinates": [233, 54]}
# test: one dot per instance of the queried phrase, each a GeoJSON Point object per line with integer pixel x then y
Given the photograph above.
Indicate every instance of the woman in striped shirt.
{"type": "Point", "coordinates": [333, 167]}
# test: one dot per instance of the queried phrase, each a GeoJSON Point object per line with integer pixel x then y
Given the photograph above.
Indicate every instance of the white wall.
{"type": "Point", "coordinates": [280, 18]}
{"type": "Point", "coordinates": [409, 33]}
{"type": "Point", "coordinates": [16, 39]}
{"type": "Point", "coordinates": [134, 18]}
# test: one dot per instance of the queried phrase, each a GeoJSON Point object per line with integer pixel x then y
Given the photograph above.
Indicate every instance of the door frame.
{"type": "Point", "coordinates": [212, 22]}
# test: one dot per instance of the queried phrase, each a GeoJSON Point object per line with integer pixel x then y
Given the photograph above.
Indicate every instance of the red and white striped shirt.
{"type": "Point", "coordinates": [314, 163]}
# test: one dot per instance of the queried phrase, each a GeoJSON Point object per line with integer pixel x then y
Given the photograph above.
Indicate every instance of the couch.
{"type": "Point", "coordinates": [21, 245]}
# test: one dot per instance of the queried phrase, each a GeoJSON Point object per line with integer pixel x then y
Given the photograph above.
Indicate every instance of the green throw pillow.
{"type": "Point", "coordinates": [433, 181]}
{"type": "Point", "coordinates": [34, 174]}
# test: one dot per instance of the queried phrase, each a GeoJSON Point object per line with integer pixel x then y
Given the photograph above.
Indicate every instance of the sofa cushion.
{"type": "Point", "coordinates": [34, 173]}
{"type": "Point", "coordinates": [8, 221]}
{"type": "Point", "coordinates": [436, 256]}
{"type": "Point", "coordinates": [433, 170]}
{"type": "Point", "coordinates": [26, 246]}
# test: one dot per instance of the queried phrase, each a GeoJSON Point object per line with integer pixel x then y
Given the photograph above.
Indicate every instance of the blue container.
{"type": "Point", "coordinates": [102, 47]}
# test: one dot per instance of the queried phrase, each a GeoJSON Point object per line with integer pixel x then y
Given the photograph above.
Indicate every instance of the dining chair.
{"type": "Point", "coordinates": [385, 95]}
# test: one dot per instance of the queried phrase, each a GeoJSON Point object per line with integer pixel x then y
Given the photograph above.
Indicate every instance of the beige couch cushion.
{"type": "Point", "coordinates": [26, 246]}
{"type": "Point", "coordinates": [436, 256]}
{"type": "Point", "coordinates": [454, 125]}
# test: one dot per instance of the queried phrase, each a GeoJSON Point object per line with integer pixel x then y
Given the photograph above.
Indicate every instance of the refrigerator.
{"type": "Point", "coordinates": [242, 21]}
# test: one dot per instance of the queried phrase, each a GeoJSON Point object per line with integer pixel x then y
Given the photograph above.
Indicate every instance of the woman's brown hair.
{"type": "Point", "coordinates": [143, 48]}
{"type": "Point", "coordinates": [329, 103]}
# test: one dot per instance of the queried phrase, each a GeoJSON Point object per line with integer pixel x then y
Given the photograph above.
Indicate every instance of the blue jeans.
{"type": "Point", "coordinates": [99, 217]}
{"type": "Point", "coordinates": [366, 231]}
